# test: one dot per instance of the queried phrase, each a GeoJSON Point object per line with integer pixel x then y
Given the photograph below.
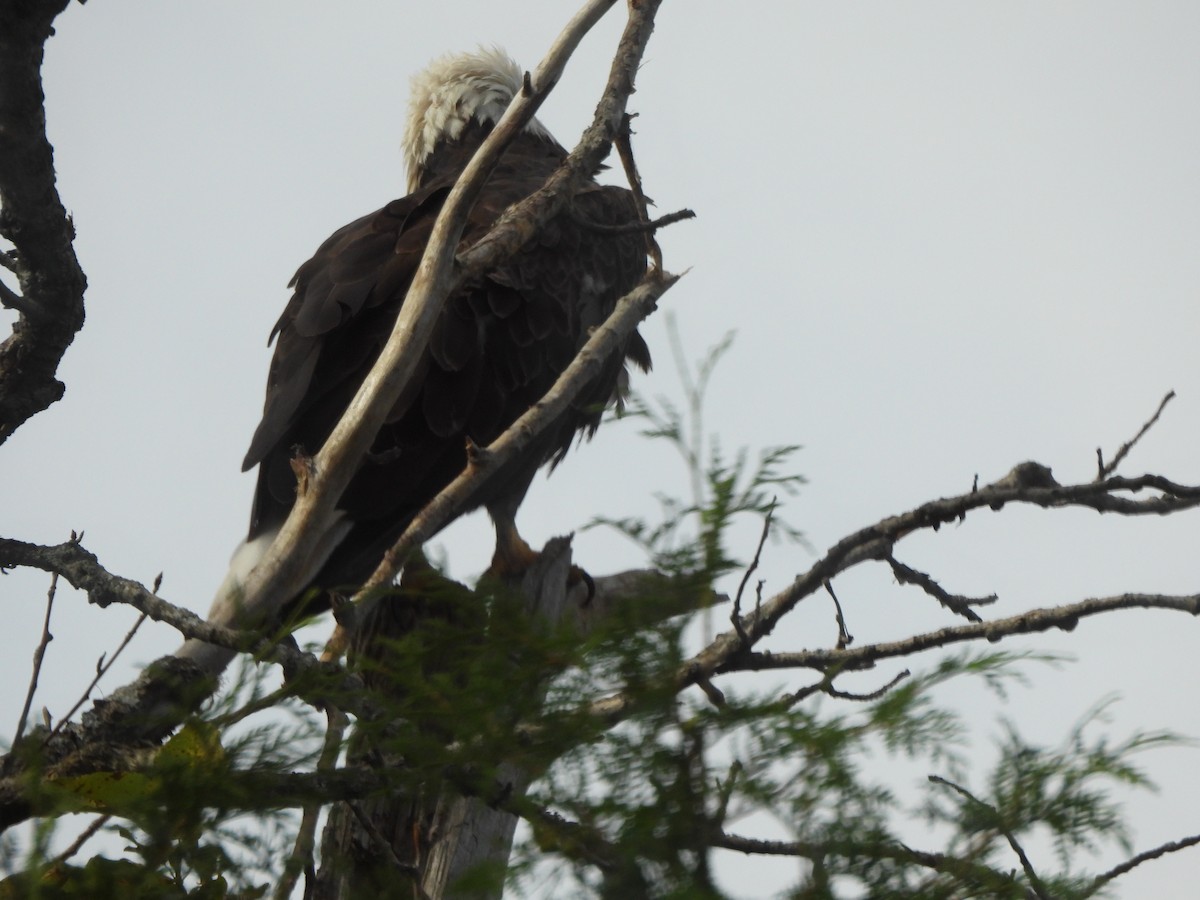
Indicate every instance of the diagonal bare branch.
{"type": "Point", "coordinates": [1145, 856]}
{"type": "Point", "coordinates": [1104, 471]}
{"type": "Point", "coordinates": [83, 570]}
{"type": "Point", "coordinates": [451, 501]}
{"type": "Point", "coordinates": [956, 603]}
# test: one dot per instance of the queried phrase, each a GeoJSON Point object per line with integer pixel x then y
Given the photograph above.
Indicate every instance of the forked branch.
{"type": "Point", "coordinates": [1027, 483]}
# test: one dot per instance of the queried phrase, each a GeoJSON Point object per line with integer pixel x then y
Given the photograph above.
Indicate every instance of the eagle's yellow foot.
{"type": "Point", "coordinates": [514, 557]}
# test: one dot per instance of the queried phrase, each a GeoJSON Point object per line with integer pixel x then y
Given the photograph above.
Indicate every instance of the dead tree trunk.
{"type": "Point", "coordinates": [421, 842]}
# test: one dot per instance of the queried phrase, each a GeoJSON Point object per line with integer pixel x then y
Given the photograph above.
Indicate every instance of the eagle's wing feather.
{"type": "Point", "coordinates": [496, 348]}
{"type": "Point", "coordinates": [372, 259]}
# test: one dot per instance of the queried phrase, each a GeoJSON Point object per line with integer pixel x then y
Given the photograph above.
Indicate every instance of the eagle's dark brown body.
{"type": "Point", "coordinates": [498, 346]}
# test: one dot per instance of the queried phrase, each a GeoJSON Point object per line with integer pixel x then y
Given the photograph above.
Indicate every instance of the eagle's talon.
{"type": "Point", "coordinates": [577, 576]}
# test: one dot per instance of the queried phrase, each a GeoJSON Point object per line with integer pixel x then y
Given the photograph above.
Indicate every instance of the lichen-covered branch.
{"type": "Point", "coordinates": [145, 701]}
{"type": "Point", "coordinates": [1063, 618]}
{"type": "Point", "coordinates": [83, 571]}
{"type": "Point", "coordinates": [1028, 482]}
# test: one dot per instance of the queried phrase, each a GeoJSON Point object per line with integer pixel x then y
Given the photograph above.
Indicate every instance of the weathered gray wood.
{"type": "Point", "coordinates": [466, 831]}
{"type": "Point", "coordinates": [433, 835]}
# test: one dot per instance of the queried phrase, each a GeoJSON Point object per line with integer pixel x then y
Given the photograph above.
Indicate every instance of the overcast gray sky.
{"type": "Point", "coordinates": [951, 237]}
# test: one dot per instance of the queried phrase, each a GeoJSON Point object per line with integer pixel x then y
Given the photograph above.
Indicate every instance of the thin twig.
{"type": "Point", "coordinates": [102, 667]}
{"type": "Point", "coordinates": [825, 686]}
{"type": "Point", "coordinates": [874, 695]}
{"type": "Point", "coordinates": [956, 603]}
{"type": "Point", "coordinates": [84, 836]}
{"type": "Point", "coordinates": [39, 654]}
{"type": "Point", "coordinates": [845, 638]}
{"type": "Point", "coordinates": [1106, 470]}
{"type": "Point", "coordinates": [735, 616]}
{"type": "Point", "coordinates": [725, 793]}
{"type": "Point", "coordinates": [269, 700]}
{"type": "Point", "coordinates": [633, 227]}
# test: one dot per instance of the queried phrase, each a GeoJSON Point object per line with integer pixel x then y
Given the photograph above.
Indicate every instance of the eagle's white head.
{"type": "Point", "coordinates": [450, 92]}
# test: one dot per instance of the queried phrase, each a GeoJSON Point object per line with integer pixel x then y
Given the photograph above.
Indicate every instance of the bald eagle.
{"type": "Point", "coordinates": [497, 347]}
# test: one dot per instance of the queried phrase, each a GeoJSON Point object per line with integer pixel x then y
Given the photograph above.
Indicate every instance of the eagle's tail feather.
{"type": "Point", "coordinates": [228, 606]}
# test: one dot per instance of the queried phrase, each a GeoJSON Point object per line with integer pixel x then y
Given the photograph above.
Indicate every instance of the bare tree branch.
{"type": "Point", "coordinates": [147, 705]}
{"type": "Point", "coordinates": [1064, 617]}
{"type": "Point", "coordinates": [956, 603]}
{"type": "Point", "coordinates": [84, 836]}
{"type": "Point", "coordinates": [1027, 483]}
{"type": "Point", "coordinates": [735, 617]}
{"type": "Point", "coordinates": [1145, 856]}
{"type": "Point", "coordinates": [32, 217]}
{"type": "Point", "coordinates": [83, 571]}
{"type": "Point", "coordinates": [455, 497]}
{"type": "Point", "coordinates": [966, 868]}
